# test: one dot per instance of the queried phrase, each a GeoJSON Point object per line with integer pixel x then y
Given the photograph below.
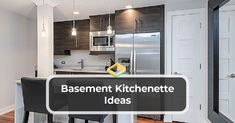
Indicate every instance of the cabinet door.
{"type": "Point", "coordinates": [140, 20]}
{"type": "Point", "coordinates": [150, 19]}
{"type": "Point", "coordinates": [104, 22]}
{"type": "Point", "coordinates": [125, 21]}
{"type": "Point", "coordinates": [59, 37]}
{"type": "Point", "coordinates": [70, 41]}
{"type": "Point", "coordinates": [63, 40]}
{"type": "Point", "coordinates": [100, 22]}
{"type": "Point", "coordinates": [83, 33]}
{"type": "Point", "coordinates": [95, 23]}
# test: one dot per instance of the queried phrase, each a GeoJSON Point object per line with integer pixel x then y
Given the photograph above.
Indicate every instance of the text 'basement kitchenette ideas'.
{"type": "Point", "coordinates": [118, 89]}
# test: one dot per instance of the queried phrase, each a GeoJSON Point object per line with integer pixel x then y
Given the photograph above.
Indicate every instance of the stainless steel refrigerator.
{"type": "Point", "coordinates": [139, 52]}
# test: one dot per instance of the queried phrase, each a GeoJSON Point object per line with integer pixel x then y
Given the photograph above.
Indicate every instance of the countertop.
{"type": "Point", "coordinates": [79, 70]}
{"type": "Point", "coordinates": [18, 81]}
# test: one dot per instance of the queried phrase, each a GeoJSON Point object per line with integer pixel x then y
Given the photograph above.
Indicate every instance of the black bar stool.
{"type": "Point", "coordinates": [34, 96]}
{"type": "Point", "coordinates": [98, 118]}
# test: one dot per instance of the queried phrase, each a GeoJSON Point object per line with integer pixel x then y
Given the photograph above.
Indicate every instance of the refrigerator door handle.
{"type": "Point", "coordinates": [131, 63]}
{"type": "Point", "coordinates": [134, 61]}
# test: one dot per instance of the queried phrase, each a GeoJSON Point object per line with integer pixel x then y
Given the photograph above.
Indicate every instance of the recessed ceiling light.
{"type": "Point", "coordinates": [128, 6]}
{"type": "Point", "coordinates": [76, 13]}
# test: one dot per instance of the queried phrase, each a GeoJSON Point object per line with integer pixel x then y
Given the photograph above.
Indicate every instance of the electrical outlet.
{"type": "Point", "coordinates": [63, 62]}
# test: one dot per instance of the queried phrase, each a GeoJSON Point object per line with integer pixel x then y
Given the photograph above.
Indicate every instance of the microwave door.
{"type": "Point", "coordinates": [124, 51]}
{"type": "Point", "coordinates": [100, 41]}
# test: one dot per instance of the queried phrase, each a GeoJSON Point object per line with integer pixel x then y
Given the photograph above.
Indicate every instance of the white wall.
{"type": "Point", "coordinates": [185, 4]}
{"type": "Point", "coordinates": [77, 55]}
{"type": "Point", "coordinates": [17, 53]}
{"type": "Point", "coordinates": [45, 44]}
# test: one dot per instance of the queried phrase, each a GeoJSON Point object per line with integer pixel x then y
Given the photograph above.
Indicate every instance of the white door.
{"type": "Point", "coordinates": [186, 37]}
{"type": "Point", "coordinates": [227, 64]}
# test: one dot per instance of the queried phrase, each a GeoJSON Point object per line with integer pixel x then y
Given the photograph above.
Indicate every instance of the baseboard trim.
{"type": "Point", "coordinates": [7, 109]}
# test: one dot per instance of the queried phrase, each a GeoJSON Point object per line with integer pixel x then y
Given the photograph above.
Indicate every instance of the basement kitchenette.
{"type": "Point", "coordinates": [133, 37]}
{"type": "Point", "coordinates": [117, 61]}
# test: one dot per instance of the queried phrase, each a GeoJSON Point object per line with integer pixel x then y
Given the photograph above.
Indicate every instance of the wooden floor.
{"type": "Point", "coordinates": [7, 118]}
{"type": "Point", "coordinates": [143, 120]}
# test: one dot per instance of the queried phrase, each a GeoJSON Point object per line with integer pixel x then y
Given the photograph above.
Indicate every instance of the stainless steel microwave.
{"type": "Point", "coordinates": [101, 41]}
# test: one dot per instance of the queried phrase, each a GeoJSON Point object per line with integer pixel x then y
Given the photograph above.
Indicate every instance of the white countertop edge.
{"type": "Point", "coordinates": [18, 81]}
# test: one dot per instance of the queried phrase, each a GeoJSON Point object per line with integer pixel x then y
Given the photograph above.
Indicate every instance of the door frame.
{"type": "Point", "coordinates": [213, 62]}
{"type": "Point", "coordinates": [202, 52]}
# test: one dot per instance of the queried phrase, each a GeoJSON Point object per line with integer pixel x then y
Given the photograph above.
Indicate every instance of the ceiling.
{"type": "Point", "coordinates": [22, 7]}
{"type": "Point", "coordinates": [63, 11]}
{"type": "Point", "coordinates": [95, 7]}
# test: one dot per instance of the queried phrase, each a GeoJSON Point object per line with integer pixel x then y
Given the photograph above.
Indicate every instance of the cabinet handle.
{"type": "Point", "coordinates": [136, 22]}
{"type": "Point", "coordinates": [134, 57]}
{"type": "Point", "coordinates": [100, 23]}
{"type": "Point", "coordinates": [141, 25]}
{"type": "Point", "coordinates": [76, 42]}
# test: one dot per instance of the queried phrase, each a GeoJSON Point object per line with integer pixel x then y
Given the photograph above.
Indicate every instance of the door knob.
{"type": "Point", "coordinates": [231, 75]}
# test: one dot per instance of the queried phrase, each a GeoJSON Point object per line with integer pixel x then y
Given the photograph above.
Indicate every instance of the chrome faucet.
{"type": "Point", "coordinates": [82, 63]}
